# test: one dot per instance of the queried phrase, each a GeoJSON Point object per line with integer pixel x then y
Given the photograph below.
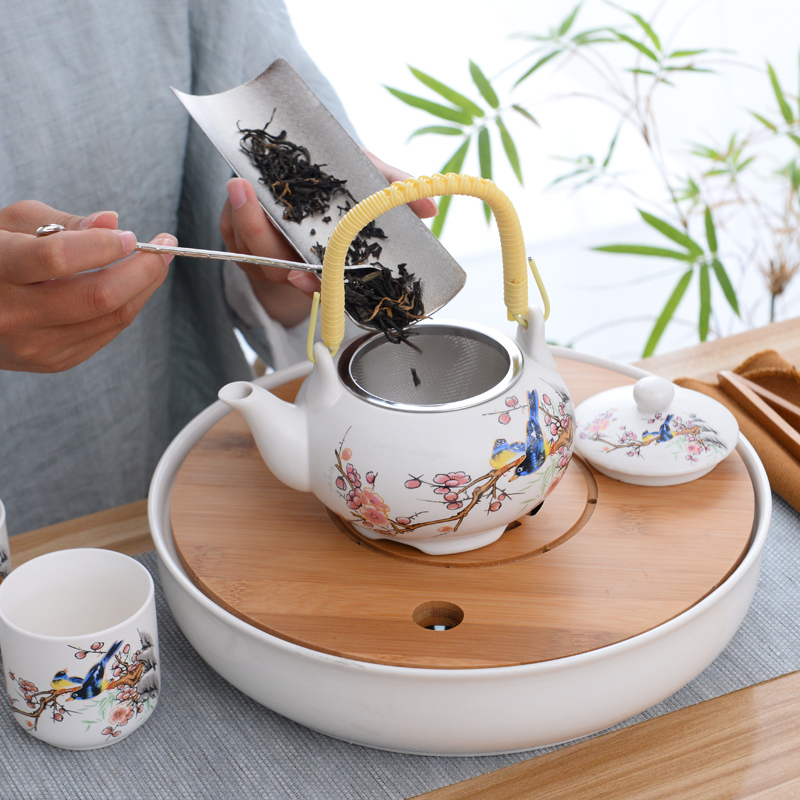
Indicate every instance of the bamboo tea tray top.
{"type": "Point", "coordinates": [601, 562]}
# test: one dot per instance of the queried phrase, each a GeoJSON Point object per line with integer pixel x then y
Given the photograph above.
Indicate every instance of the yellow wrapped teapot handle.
{"type": "Point", "coordinates": [399, 193]}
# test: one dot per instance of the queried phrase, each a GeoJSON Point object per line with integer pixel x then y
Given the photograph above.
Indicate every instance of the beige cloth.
{"type": "Point", "coordinates": [774, 373]}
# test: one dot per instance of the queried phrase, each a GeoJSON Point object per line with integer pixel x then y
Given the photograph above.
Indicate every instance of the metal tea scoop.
{"type": "Point", "coordinates": [219, 255]}
{"type": "Point", "coordinates": [280, 97]}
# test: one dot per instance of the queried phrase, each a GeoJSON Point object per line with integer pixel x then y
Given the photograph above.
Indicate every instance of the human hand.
{"type": "Point", "coordinates": [246, 228]}
{"type": "Point", "coordinates": [54, 312]}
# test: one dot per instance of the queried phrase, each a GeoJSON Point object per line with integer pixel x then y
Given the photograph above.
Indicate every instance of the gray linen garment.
{"type": "Point", "coordinates": [88, 122]}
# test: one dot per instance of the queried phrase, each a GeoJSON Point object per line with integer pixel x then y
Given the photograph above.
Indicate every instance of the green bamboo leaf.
{"type": "Point", "coordinates": [689, 190]}
{"type": "Point", "coordinates": [527, 114]}
{"type": "Point", "coordinates": [483, 84]}
{"type": "Point", "coordinates": [540, 63]}
{"type": "Point", "coordinates": [667, 313]}
{"type": "Point", "coordinates": [765, 122]}
{"type": "Point", "coordinates": [711, 233]}
{"type": "Point", "coordinates": [510, 148]}
{"type": "Point", "coordinates": [707, 152]}
{"type": "Point", "coordinates": [591, 37]}
{"type": "Point", "coordinates": [686, 53]}
{"type": "Point", "coordinates": [611, 147]}
{"type": "Point", "coordinates": [705, 303]}
{"type": "Point", "coordinates": [642, 23]}
{"type": "Point", "coordinates": [725, 284]}
{"type": "Point", "coordinates": [443, 112]}
{"type": "Point", "coordinates": [529, 37]}
{"type": "Point", "coordinates": [485, 153]}
{"type": "Point", "coordinates": [643, 49]}
{"type": "Point", "coordinates": [645, 26]}
{"type": "Point", "coordinates": [779, 96]}
{"type": "Point", "coordinates": [440, 130]}
{"type": "Point", "coordinates": [644, 250]}
{"type": "Point", "coordinates": [455, 163]}
{"type": "Point", "coordinates": [652, 73]}
{"type": "Point", "coordinates": [689, 68]}
{"type": "Point", "coordinates": [679, 237]}
{"type": "Point", "coordinates": [567, 23]}
{"type": "Point", "coordinates": [485, 162]}
{"type": "Point", "coordinates": [449, 94]}
{"type": "Point", "coordinates": [438, 221]}
{"type": "Point", "coordinates": [569, 175]}
{"type": "Point", "coordinates": [792, 172]}
{"type": "Point", "coordinates": [586, 158]}
{"type": "Point", "coordinates": [795, 138]}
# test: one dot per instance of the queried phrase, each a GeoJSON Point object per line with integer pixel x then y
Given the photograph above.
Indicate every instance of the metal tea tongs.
{"type": "Point", "coordinates": [218, 255]}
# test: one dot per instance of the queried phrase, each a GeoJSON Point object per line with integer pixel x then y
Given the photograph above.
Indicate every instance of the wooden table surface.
{"type": "Point", "coordinates": [742, 745]}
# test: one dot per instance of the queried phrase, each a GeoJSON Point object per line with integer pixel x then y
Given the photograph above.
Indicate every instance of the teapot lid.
{"type": "Point", "coordinates": [654, 433]}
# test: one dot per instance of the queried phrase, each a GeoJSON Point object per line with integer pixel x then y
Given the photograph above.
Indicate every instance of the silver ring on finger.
{"type": "Point", "coordinates": [46, 230]}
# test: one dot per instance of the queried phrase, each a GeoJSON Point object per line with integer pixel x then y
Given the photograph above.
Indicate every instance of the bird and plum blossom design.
{"type": "Point", "coordinates": [119, 684]}
{"type": "Point", "coordinates": [5, 564]}
{"type": "Point", "coordinates": [684, 437]}
{"type": "Point", "coordinates": [542, 456]}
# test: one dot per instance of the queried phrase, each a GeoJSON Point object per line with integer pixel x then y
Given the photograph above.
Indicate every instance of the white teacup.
{"type": "Point", "coordinates": [5, 556]}
{"type": "Point", "coordinates": [80, 649]}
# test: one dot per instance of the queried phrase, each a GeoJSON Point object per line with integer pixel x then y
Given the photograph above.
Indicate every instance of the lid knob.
{"type": "Point", "coordinates": [653, 394]}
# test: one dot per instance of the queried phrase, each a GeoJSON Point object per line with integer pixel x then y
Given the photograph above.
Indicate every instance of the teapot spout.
{"type": "Point", "coordinates": [279, 429]}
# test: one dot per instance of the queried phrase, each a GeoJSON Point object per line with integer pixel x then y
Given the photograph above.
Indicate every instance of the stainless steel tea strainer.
{"type": "Point", "coordinates": [440, 367]}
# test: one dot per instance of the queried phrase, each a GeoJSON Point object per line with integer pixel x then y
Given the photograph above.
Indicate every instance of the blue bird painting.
{"type": "Point", "coordinates": [95, 681]}
{"type": "Point", "coordinates": [531, 453]}
{"type": "Point", "coordinates": [663, 434]}
{"type": "Point", "coordinates": [61, 680]}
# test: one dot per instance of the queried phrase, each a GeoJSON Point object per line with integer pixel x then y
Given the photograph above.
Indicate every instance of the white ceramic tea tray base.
{"type": "Point", "coordinates": [453, 711]}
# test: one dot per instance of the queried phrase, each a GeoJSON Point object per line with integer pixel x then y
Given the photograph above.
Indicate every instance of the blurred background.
{"type": "Point", "coordinates": [602, 303]}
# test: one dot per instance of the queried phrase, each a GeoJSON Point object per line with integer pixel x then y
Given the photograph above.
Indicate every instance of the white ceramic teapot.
{"type": "Point", "coordinates": [439, 445]}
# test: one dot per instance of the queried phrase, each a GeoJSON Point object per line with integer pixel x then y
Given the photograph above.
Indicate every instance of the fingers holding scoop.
{"type": "Point", "coordinates": [247, 229]}
{"type": "Point", "coordinates": [60, 307]}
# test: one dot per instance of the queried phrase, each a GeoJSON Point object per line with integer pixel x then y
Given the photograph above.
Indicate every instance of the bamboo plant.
{"type": "Point", "coordinates": [709, 194]}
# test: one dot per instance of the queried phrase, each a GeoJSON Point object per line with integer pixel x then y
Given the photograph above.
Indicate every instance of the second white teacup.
{"type": "Point", "coordinates": [79, 642]}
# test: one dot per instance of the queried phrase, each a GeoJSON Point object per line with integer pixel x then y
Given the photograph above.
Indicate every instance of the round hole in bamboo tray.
{"type": "Point", "coordinates": [601, 562]}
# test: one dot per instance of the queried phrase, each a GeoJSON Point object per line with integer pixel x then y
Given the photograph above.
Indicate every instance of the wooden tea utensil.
{"type": "Point", "coordinates": [789, 411]}
{"type": "Point", "coordinates": [753, 399]}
